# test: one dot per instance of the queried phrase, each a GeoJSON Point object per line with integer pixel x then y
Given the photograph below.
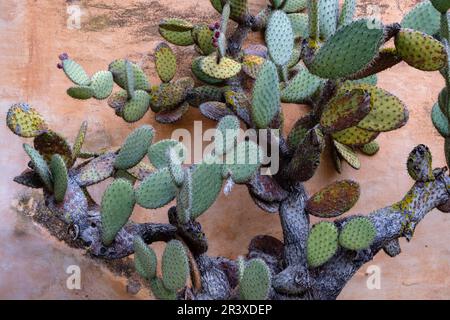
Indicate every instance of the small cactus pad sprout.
{"type": "Point", "coordinates": [175, 266]}
{"type": "Point", "coordinates": [357, 234]}
{"type": "Point", "coordinates": [347, 154]}
{"type": "Point", "coordinates": [322, 243]}
{"type": "Point", "coordinates": [371, 148]}
{"type": "Point", "coordinates": [60, 177]}
{"type": "Point", "coordinates": [116, 208]}
{"type": "Point", "coordinates": [256, 281]}
{"type": "Point", "coordinates": [334, 200]}
{"type": "Point", "coordinates": [40, 166]}
{"type": "Point", "coordinates": [144, 259]}
{"type": "Point", "coordinates": [25, 121]}
{"type": "Point", "coordinates": [419, 164]}
{"type": "Point", "coordinates": [134, 148]}
{"type": "Point", "coordinates": [79, 140]}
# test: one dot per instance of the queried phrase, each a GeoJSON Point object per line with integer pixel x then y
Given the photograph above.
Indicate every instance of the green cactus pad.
{"type": "Point", "coordinates": [279, 37]}
{"type": "Point", "coordinates": [135, 148]}
{"type": "Point", "coordinates": [81, 92]}
{"type": "Point", "coordinates": [197, 71]}
{"type": "Point", "coordinates": [118, 69]}
{"type": "Point", "coordinates": [40, 166]}
{"type": "Point", "coordinates": [136, 107]}
{"type": "Point", "coordinates": [203, 39]}
{"type": "Point", "coordinates": [206, 186]}
{"type": "Point", "coordinates": [251, 64]}
{"type": "Point", "coordinates": [420, 50]}
{"type": "Point", "coordinates": [355, 136]}
{"type": "Point", "coordinates": [179, 38]}
{"type": "Point", "coordinates": [175, 266]}
{"type": "Point", "coordinates": [129, 79]}
{"type": "Point", "coordinates": [334, 200]}
{"type": "Point", "coordinates": [349, 50]}
{"type": "Point", "coordinates": [347, 12]}
{"type": "Point", "coordinates": [50, 143]}
{"type": "Point", "coordinates": [157, 153]}
{"type": "Point", "coordinates": [76, 73]}
{"type": "Point", "coordinates": [329, 14]}
{"type": "Point", "coordinates": [60, 177]}
{"type": "Point", "coordinates": [348, 154]}
{"type": "Point", "coordinates": [371, 148]}
{"type": "Point", "coordinates": [175, 167]}
{"type": "Point", "coordinates": [176, 24]}
{"type": "Point", "coordinates": [443, 101]}
{"type": "Point", "coordinates": [226, 134]}
{"type": "Point", "coordinates": [322, 243]}
{"type": "Point", "coordinates": [215, 110]}
{"type": "Point", "coordinates": [299, 131]}
{"type": "Point", "coordinates": [166, 62]}
{"type": "Point", "coordinates": [79, 140]}
{"type": "Point", "coordinates": [266, 96]}
{"type": "Point", "coordinates": [239, 9]}
{"type": "Point", "coordinates": [116, 208]}
{"type": "Point", "coordinates": [440, 121]}
{"type": "Point", "coordinates": [301, 87]}
{"type": "Point", "coordinates": [423, 17]}
{"type": "Point", "coordinates": [25, 121]}
{"type": "Point", "coordinates": [184, 198]}
{"type": "Point", "coordinates": [357, 234]}
{"type": "Point", "coordinates": [144, 259]}
{"type": "Point", "coordinates": [204, 94]}
{"type": "Point", "coordinates": [387, 111]}
{"type": "Point", "coordinates": [96, 170]}
{"type": "Point", "coordinates": [345, 110]}
{"type": "Point", "coordinates": [294, 5]}
{"type": "Point", "coordinates": [225, 69]}
{"type": "Point", "coordinates": [246, 160]}
{"type": "Point", "coordinates": [160, 292]}
{"type": "Point", "coordinates": [102, 84]}
{"type": "Point", "coordinates": [256, 281]}
{"type": "Point", "coordinates": [300, 27]}
{"type": "Point", "coordinates": [157, 190]}
{"type": "Point", "coordinates": [441, 5]}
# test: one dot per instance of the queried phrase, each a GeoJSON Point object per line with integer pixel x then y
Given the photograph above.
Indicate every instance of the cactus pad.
{"type": "Point", "coordinates": [301, 87]}
{"type": "Point", "coordinates": [175, 266]}
{"type": "Point", "coordinates": [294, 5]}
{"type": "Point", "coordinates": [371, 148]}
{"type": "Point", "coordinates": [40, 166]}
{"type": "Point", "coordinates": [299, 130]}
{"type": "Point", "coordinates": [102, 84]}
{"type": "Point", "coordinates": [279, 37]}
{"type": "Point", "coordinates": [184, 198]}
{"type": "Point", "coordinates": [334, 200]}
{"type": "Point", "coordinates": [226, 134]}
{"type": "Point", "coordinates": [135, 148]}
{"type": "Point", "coordinates": [60, 177]}
{"type": "Point", "coordinates": [206, 186]}
{"type": "Point", "coordinates": [345, 110]}
{"type": "Point", "coordinates": [349, 50]}
{"type": "Point", "coordinates": [423, 17]}
{"type": "Point", "coordinates": [144, 259]}
{"type": "Point", "coordinates": [166, 62]}
{"type": "Point", "coordinates": [175, 167]}
{"type": "Point", "coordinates": [168, 96]}
{"type": "Point", "coordinates": [29, 178]}
{"type": "Point", "coordinates": [176, 24]}
{"type": "Point", "coordinates": [197, 71]}
{"type": "Point", "coordinates": [441, 5]}
{"type": "Point", "coordinates": [419, 164]}
{"type": "Point", "coordinates": [355, 136]}
{"type": "Point", "coordinates": [256, 281]}
{"type": "Point", "coordinates": [79, 140]}
{"type": "Point", "coordinates": [357, 234]}
{"type": "Point", "coordinates": [25, 121]}
{"type": "Point", "coordinates": [347, 12]}
{"type": "Point", "coordinates": [204, 94]}
{"type": "Point", "coordinates": [179, 38]}
{"type": "Point", "coordinates": [251, 64]}
{"type": "Point", "coordinates": [157, 153]}
{"type": "Point", "coordinates": [76, 73]}
{"type": "Point", "coordinates": [245, 162]}
{"type": "Point", "coordinates": [161, 292]}
{"type": "Point", "coordinates": [440, 121]}
{"type": "Point", "coordinates": [329, 13]}
{"type": "Point", "coordinates": [157, 190]}
{"type": "Point", "coordinates": [96, 170]}
{"type": "Point", "coordinates": [171, 116]}
{"type": "Point", "coordinates": [266, 96]}
{"type": "Point", "coordinates": [300, 27]}
{"type": "Point", "coordinates": [215, 110]}
{"type": "Point", "coordinates": [202, 37]}
{"type": "Point", "coordinates": [322, 243]}
{"type": "Point", "coordinates": [420, 50]}
{"type": "Point", "coordinates": [50, 143]}
{"type": "Point", "coordinates": [116, 208]}
{"type": "Point", "coordinates": [81, 92]}
{"type": "Point", "coordinates": [118, 69]}
{"type": "Point", "coordinates": [136, 107]}
{"type": "Point", "coordinates": [225, 69]}
{"type": "Point", "coordinates": [347, 154]}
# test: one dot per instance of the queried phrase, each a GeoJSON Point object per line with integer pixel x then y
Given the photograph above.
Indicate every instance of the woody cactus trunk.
{"type": "Point", "coordinates": [315, 54]}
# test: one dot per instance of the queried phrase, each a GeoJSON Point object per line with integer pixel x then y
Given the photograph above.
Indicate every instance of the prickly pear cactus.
{"type": "Point", "coordinates": [322, 243]}
{"type": "Point", "coordinates": [357, 234]}
{"type": "Point", "coordinates": [255, 281]}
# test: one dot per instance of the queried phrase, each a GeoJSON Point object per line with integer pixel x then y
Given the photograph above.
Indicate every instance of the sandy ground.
{"type": "Point", "coordinates": [33, 33]}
